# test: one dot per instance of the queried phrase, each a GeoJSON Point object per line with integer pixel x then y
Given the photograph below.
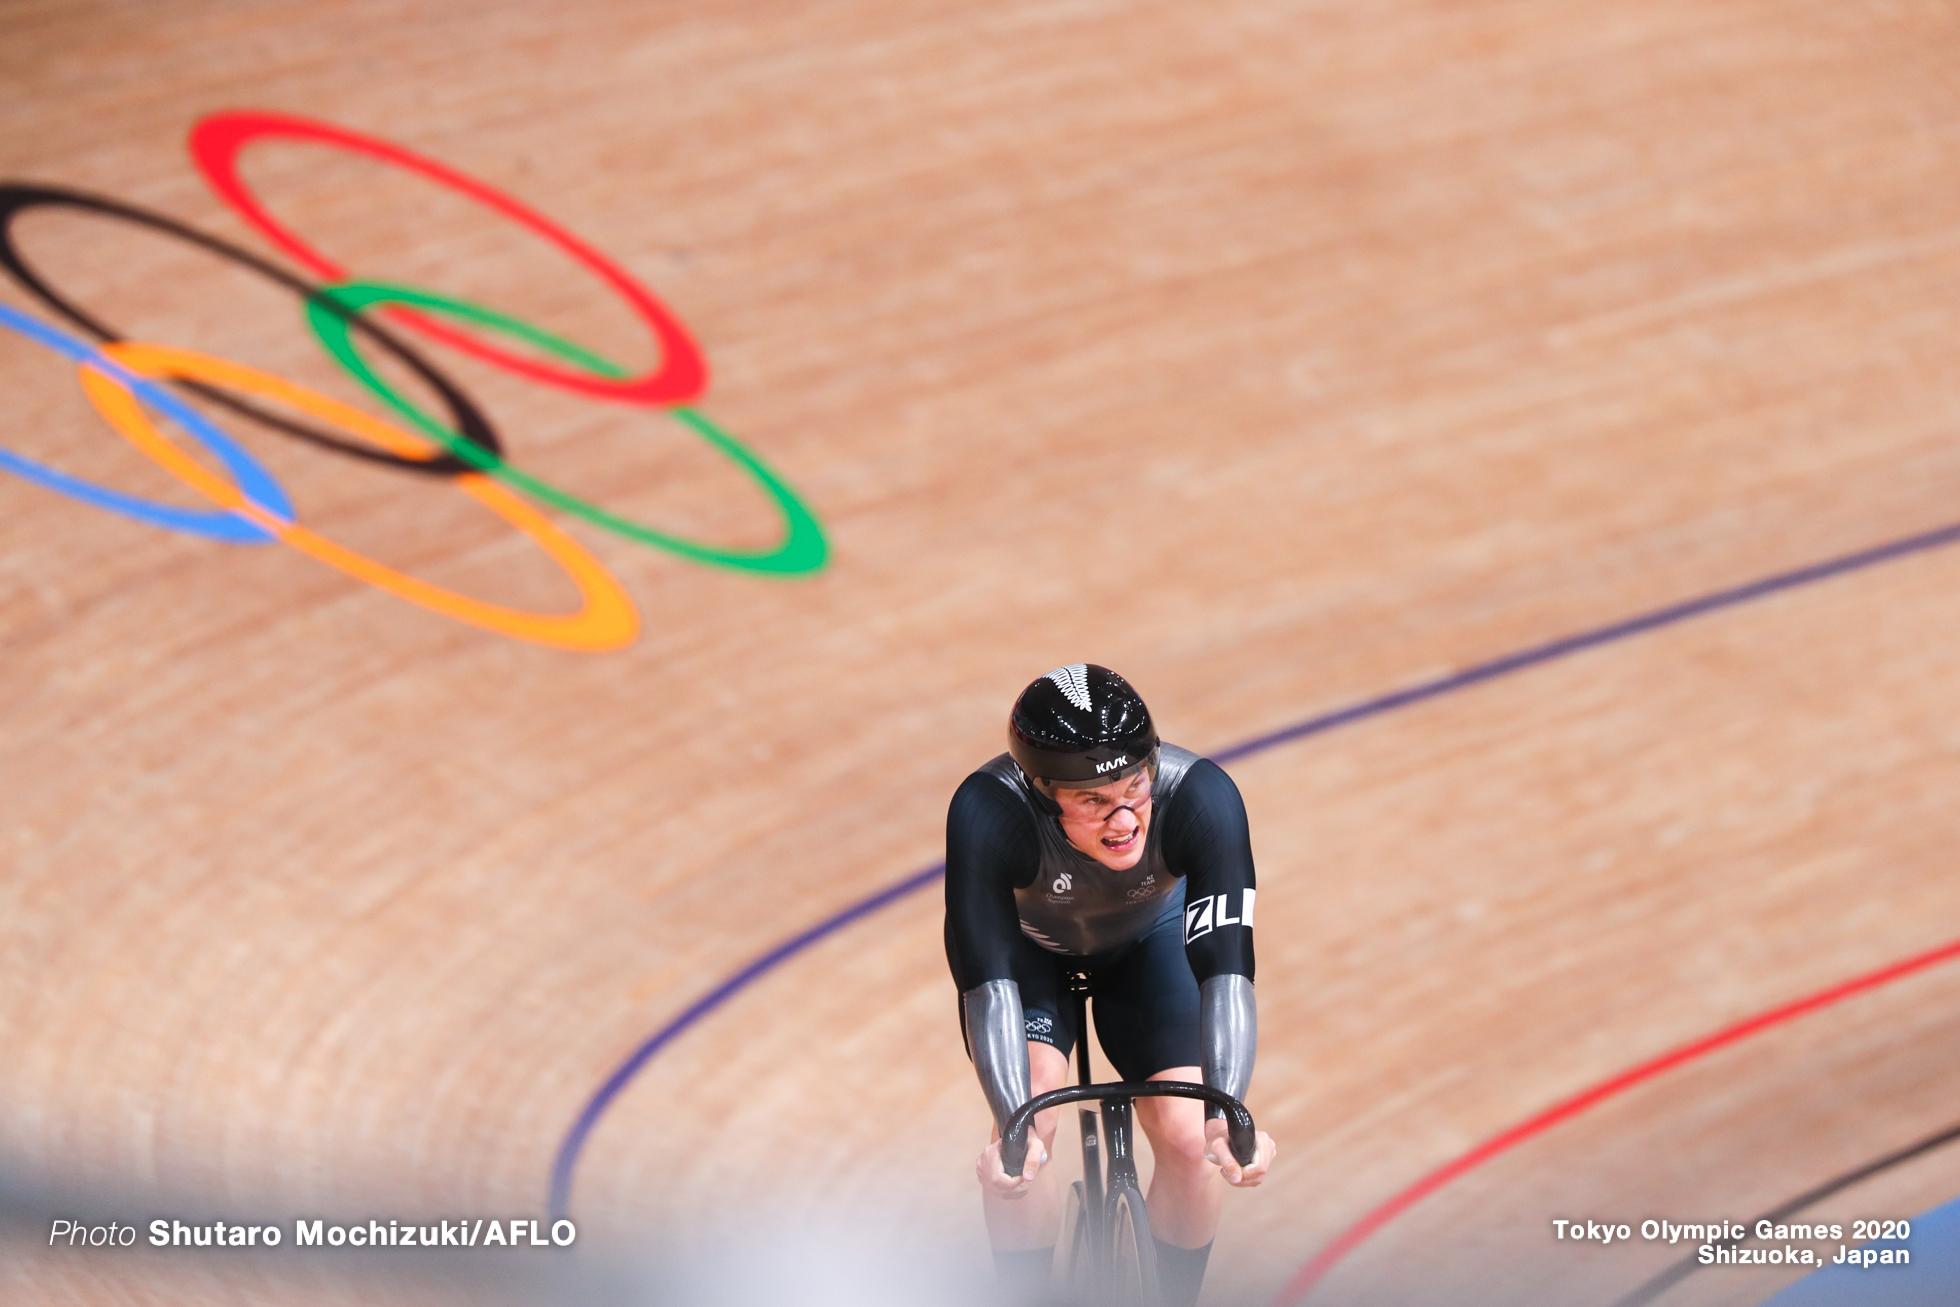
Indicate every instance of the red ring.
{"type": "Point", "coordinates": [682, 374]}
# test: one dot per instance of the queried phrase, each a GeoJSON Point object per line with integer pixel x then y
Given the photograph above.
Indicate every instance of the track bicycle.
{"type": "Point", "coordinates": [1110, 1260]}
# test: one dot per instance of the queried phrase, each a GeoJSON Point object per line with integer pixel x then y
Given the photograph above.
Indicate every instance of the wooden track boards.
{"type": "Point", "coordinates": [1277, 355]}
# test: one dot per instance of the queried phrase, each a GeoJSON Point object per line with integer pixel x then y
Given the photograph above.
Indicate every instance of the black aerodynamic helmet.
{"type": "Point", "coordinates": [1080, 725]}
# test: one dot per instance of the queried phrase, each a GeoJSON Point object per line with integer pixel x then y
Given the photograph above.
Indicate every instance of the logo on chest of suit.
{"type": "Point", "coordinates": [1209, 914]}
{"type": "Point", "coordinates": [1064, 882]}
{"type": "Point", "coordinates": [1145, 888]}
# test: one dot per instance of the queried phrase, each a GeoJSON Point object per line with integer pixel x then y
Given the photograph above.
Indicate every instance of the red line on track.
{"type": "Point", "coordinates": [1323, 1261]}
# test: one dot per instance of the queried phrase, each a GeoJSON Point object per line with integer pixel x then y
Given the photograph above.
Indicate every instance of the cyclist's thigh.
{"type": "Point", "coordinates": [1146, 1004]}
{"type": "Point", "coordinates": [1046, 1009]}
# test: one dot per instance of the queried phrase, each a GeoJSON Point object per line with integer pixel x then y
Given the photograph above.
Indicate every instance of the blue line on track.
{"type": "Point", "coordinates": [569, 1150]}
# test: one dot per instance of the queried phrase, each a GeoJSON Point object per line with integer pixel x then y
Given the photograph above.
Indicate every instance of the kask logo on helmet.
{"type": "Point", "coordinates": [120, 378]}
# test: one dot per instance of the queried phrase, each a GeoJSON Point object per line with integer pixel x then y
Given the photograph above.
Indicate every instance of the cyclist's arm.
{"type": "Point", "coordinates": [998, 1041]}
{"type": "Point", "coordinates": [990, 844]}
{"type": "Point", "coordinates": [1207, 838]}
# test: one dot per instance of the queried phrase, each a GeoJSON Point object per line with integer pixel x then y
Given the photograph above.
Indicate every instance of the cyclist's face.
{"type": "Point", "coordinates": [1109, 823]}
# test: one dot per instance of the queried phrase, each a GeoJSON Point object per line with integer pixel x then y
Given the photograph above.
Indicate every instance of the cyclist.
{"type": "Point", "coordinates": [1089, 845]}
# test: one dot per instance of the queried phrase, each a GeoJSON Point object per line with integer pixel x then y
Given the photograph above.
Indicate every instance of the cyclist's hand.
{"type": "Point", "coordinates": [1003, 1184]}
{"type": "Point", "coordinates": [1218, 1151]}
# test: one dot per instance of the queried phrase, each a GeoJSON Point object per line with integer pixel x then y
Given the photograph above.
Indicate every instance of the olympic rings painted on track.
{"type": "Point", "coordinates": [16, 198]}
{"type": "Point", "coordinates": [682, 373]}
{"type": "Point", "coordinates": [801, 550]}
{"type": "Point", "coordinates": [606, 620]}
{"type": "Point", "coordinates": [253, 481]}
{"type": "Point", "coordinates": [255, 509]}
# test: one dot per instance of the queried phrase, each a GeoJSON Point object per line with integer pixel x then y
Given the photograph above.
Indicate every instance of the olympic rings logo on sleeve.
{"type": "Point", "coordinates": [123, 380]}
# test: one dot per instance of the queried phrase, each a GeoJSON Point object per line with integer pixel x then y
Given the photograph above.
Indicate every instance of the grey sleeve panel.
{"type": "Point", "coordinates": [1228, 1032]}
{"type": "Point", "coordinates": [999, 1043]}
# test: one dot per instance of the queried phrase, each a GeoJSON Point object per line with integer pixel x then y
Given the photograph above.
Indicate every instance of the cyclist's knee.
{"type": "Point", "coordinates": [1176, 1129]}
{"type": "Point", "coordinates": [1047, 1069]}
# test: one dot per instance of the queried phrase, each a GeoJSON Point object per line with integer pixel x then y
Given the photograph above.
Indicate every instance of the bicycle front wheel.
{"type": "Point", "coordinates": [1077, 1272]}
{"type": "Point", "coordinates": [1132, 1275]}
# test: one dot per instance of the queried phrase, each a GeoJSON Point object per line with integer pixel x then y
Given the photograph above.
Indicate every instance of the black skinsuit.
{"type": "Point", "coordinates": [1022, 904]}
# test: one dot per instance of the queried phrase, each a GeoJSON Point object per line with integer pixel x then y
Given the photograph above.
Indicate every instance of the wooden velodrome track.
{"type": "Point", "coordinates": [1281, 356]}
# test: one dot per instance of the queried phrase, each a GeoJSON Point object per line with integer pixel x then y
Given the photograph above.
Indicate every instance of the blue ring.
{"type": "Point", "coordinates": [250, 475]}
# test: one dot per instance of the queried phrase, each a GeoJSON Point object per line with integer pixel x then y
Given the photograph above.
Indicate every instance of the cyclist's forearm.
{"type": "Point", "coordinates": [999, 1042]}
{"type": "Point", "coordinates": [1228, 1032]}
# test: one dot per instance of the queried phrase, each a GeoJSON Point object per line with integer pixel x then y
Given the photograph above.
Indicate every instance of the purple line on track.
{"type": "Point", "coordinates": [568, 1151]}
{"type": "Point", "coordinates": [561, 1171]}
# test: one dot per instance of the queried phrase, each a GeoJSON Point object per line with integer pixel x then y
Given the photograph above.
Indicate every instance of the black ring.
{"type": "Point", "coordinates": [17, 197]}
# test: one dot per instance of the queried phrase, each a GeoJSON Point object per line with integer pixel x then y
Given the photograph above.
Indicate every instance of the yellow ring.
{"type": "Point", "coordinates": [606, 620]}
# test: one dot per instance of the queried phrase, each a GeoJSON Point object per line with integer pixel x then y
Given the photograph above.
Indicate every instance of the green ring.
{"type": "Point", "coordinates": [803, 548]}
